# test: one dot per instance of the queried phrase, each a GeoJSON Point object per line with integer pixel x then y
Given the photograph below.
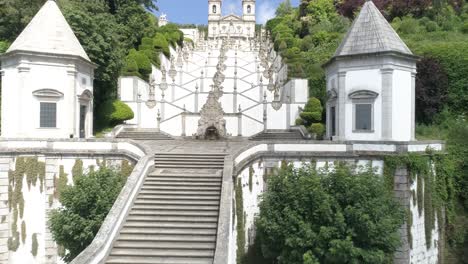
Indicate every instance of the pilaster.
{"type": "Point", "coordinates": [75, 127]}
{"type": "Point", "coordinates": [23, 72]}
{"type": "Point", "coordinates": [413, 105]}
{"type": "Point", "coordinates": [4, 211]}
{"type": "Point", "coordinates": [341, 129]}
{"type": "Point", "coordinates": [387, 103]}
{"type": "Point", "coordinates": [52, 170]}
{"type": "Point", "coordinates": [402, 194]}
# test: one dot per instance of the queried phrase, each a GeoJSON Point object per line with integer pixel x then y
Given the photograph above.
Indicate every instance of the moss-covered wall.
{"type": "Point", "coordinates": [32, 186]}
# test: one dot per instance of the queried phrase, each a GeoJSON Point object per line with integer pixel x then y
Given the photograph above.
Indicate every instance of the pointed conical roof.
{"type": "Point", "coordinates": [371, 33]}
{"type": "Point", "coordinates": [49, 32]}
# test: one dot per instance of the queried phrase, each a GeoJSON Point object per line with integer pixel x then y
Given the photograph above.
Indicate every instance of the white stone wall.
{"type": "Point", "coordinates": [37, 207]}
{"type": "Point", "coordinates": [244, 87]}
{"type": "Point", "coordinates": [419, 253]}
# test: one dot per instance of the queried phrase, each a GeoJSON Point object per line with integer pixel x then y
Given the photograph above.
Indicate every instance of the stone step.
{"type": "Point", "coordinates": [173, 218]}
{"type": "Point", "coordinates": [163, 245]}
{"type": "Point", "coordinates": [194, 179]}
{"type": "Point", "coordinates": [140, 201]}
{"type": "Point", "coordinates": [173, 213]}
{"type": "Point", "coordinates": [187, 158]}
{"type": "Point", "coordinates": [169, 231]}
{"type": "Point", "coordinates": [157, 260]}
{"type": "Point", "coordinates": [177, 175]}
{"type": "Point", "coordinates": [180, 188]}
{"type": "Point", "coordinates": [165, 224]}
{"type": "Point", "coordinates": [168, 238]}
{"type": "Point", "coordinates": [177, 197]}
{"type": "Point", "coordinates": [157, 182]}
{"type": "Point", "coordinates": [145, 190]}
{"type": "Point", "coordinates": [196, 154]}
{"type": "Point", "coordinates": [163, 253]}
{"type": "Point", "coordinates": [189, 166]}
{"type": "Point", "coordinates": [171, 207]}
{"type": "Point", "coordinates": [189, 162]}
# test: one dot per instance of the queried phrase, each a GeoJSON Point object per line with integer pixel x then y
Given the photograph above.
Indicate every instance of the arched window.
{"type": "Point", "coordinates": [249, 9]}
{"type": "Point", "coordinates": [215, 9]}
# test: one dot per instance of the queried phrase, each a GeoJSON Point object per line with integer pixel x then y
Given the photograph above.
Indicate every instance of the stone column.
{"type": "Point", "coordinates": [413, 105]}
{"type": "Point", "coordinates": [387, 101]}
{"type": "Point", "coordinates": [234, 99]}
{"type": "Point", "coordinates": [183, 122]}
{"type": "Point", "coordinates": [403, 195]}
{"type": "Point", "coordinates": [195, 105]}
{"type": "Point", "coordinates": [239, 122]}
{"type": "Point", "coordinates": [288, 113]}
{"type": "Point", "coordinates": [52, 170]}
{"type": "Point", "coordinates": [163, 105]}
{"type": "Point", "coordinates": [341, 103]}
{"type": "Point", "coordinates": [4, 211]}
{"type": "Point", "coordinates": [202, 82]}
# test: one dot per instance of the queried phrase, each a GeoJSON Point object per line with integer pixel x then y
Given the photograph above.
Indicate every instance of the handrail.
{"type": "Point", "coordinates": [102, 243]}
{"type": "Point", "coordinates": [224, 234]}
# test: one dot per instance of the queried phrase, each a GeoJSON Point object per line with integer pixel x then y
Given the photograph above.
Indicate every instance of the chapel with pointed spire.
{"type": "Point", "coordinates": [47, 81]}
{"type": "Point", "coordinates": [371, 83]}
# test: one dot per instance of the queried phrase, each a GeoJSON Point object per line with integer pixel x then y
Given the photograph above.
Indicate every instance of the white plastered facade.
{"type": "Point", "coordinates": [392, 80]}
{"type": "Point", "coordinates": [47, 64]}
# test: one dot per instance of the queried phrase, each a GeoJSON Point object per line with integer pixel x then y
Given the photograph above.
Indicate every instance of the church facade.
{"type": "Point", "coordinates": [231, 26]}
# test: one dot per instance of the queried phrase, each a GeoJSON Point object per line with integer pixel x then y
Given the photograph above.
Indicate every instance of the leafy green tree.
{"type": "Point", "coordinates": [284, 8]}
{"type": "Point", "coordinates": [3, 46]}
{"type": "Point", "coordinates": [85, 206]}
{"type": "Point", "coordinates": [98, 32]}
{"type": "Point", "coordinates": [310, 216]}
{"type": "Point", "coordinates": [15, 15]}
{"type": "Point", "coordinates": [431, 90]}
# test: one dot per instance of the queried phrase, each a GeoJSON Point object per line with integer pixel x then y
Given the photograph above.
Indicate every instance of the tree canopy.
{"type": "Point", "coordinates": [310, 216]}
{"type": "Point", "coordinates": [85, 206]}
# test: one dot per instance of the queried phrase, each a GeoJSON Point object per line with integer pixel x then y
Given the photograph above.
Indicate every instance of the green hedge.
{"type": "Point", "coordinates": [115, 112]}
{"type": "Point", "coordinates": [138, 62]}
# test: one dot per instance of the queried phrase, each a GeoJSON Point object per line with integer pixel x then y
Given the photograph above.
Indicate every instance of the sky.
{"type": "Point", "coordinates": [196, 11]}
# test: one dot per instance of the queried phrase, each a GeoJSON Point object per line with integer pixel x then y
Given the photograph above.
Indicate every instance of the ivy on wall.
{"type": "Point", "coordinates": [126, 168]}
{"type": "Point", "coordinates": [251, 173]}
{"type": "Point", "coordinates": [240, 221]}
{"type": "Point", "coordinates": [434, 187]}
{"type": "Point", "coordinates": [60, 183]}
{"type": "Point", "coordinates": [35, 245]}
{"type": "Point", "coordinates": [34, 170]}
{"type": "Point", "coordinates": [77, 169]}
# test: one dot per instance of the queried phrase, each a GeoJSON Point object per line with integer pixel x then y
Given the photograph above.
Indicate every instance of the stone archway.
{"type": "Point", "coordinates": [212, 133]}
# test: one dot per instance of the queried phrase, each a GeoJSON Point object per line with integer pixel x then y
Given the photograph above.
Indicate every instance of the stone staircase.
{"type": "Point", "coordinates": [278, 135]}
{"type": "Point", "coordinates": [144, 134]}
{"type": "Point", "coordinates": [174, 218]}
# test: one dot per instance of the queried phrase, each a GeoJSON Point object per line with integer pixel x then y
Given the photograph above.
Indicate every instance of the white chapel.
{"type": "Point", "coordinates": [47, 81]}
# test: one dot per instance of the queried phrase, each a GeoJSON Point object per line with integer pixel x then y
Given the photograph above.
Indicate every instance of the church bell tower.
{"type": "Point", "coordinates": [214, 10]}
{"type": "Point", "coordinates": [248, 10]}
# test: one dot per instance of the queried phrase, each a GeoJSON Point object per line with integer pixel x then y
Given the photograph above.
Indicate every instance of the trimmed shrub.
{"type": "Point", "coordinates": [161, 44]}
{"type": "Point", "coordinates": [115, 112]}
{"type": "Point", "coordinates": [318, 129]}
{"type": "Point", "coordinates": [144, 64]}
{"type": "Point", "coordinates": [131, 67]}
{"type": "Point", "coordinates": [313, 105]}
{"type": "Point", "coordinates": [310, 117]}
{"type": "Point", "coordinates": [299, 122]}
